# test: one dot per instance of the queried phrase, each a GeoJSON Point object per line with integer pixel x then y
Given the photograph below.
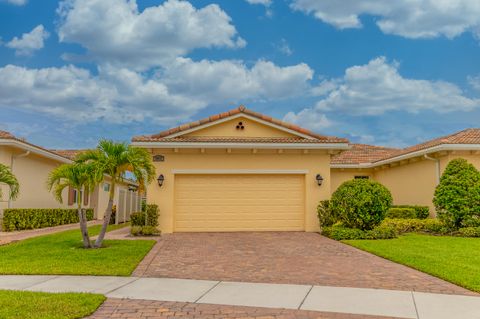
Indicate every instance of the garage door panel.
{"type": "Point", "coordinates": [236, 216]}
{"type": "Point", "coordinates": [241, 225]}
{"type": "Point", "coordinates": [239, 202]}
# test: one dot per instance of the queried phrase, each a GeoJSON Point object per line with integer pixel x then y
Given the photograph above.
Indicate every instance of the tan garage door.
{"type": "Point", "coordinates": [239, 203]}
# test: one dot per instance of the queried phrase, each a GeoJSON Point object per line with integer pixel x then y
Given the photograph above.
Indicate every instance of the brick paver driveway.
{"type": "Point", "coordinates": [281, 257]}
{"type": "Point", "coordinates": [145, 309]}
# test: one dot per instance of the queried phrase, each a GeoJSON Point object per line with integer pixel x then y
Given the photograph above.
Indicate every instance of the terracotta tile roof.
{"type": "Point", "coordinates": [363, 153]}
{"type": "Point", "coordinates": [227, 139]}
{"type": "Point", "coordinates": [240, 109]}
{"type": "Point", "coordinates": [70, 154]}
{"type": "Point", "coordinates": [467, 136]}
{"type": "Point", "coordinates": [9, 136]}
{"type": "Point", "coordinates": [369, 154]}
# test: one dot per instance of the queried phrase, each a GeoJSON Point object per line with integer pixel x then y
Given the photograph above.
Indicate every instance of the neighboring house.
{"type": "Point", "coordinates": [31, 164]}
{"type": "Point", "coordinates": [411, 174]}
{"type": "Point", "coordinates": [127, 199]}
{"type": "Point", "coordinates": [240, 171]}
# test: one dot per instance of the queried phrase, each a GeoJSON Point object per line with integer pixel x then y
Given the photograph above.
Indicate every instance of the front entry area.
{"type": "Point", "coordinates": [239, 202]}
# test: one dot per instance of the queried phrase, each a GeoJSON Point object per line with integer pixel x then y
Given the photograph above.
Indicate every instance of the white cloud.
{"type": "Point", "coordinates": [74, 94]}
{"type": "Point", "coordinates": [117, 32]}
{"type": "Point", "coordinates": [263, 2]}
{"type": "Point", "coordinates": [474, 82]}
{"type": "Point", "coordinates": [121, 95]}
{"type": "Point", "coordinates": [29, 42]}
{"type": "Point", "coordinates": [408, 18]}
{"type": "Point", "coordinates": [284, 47]}
{"type": "Point", "coordinates": [309, 118]}
{"type": "Point", "coordinates": [17, 2]}
{"type": "Point", "coordinates": [232, 81]}
{"type": "Point", "coordinates": [377, 88]}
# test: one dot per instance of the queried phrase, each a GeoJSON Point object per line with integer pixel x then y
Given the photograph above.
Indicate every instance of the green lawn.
{"type": "Point", "coordinates": [455, 259]}
{"type": "Point", "coordinates": [62, 254]}
{"type": "Point", "coordinates": [33, 305]}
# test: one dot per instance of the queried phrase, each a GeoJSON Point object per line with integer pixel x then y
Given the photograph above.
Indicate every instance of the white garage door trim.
{"type": "Point", "coordinates": [243, 172]}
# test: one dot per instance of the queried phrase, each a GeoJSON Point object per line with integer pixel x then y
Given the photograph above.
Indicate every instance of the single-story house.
{"type": "Point", "coordinates": [412, 173]}
{"type": "Point", "coordinates": [240, 171]}
{"type": "Point", "coordinates": [31, 165]}
{"type": "Point", "coordinates": [245, 171]}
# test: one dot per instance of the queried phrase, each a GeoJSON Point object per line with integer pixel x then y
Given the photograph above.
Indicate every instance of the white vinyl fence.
{"type": "Point", "coordinates": [128, 203]}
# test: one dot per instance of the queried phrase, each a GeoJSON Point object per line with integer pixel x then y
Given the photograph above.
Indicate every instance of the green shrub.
{"type": "Point", "coordinates": [402, 225]}
{"type": "Point", "coordinates": [325, 214]}
{"type": "Point", "coordinates": [361, 203]}
{"type": "Point", "coordinates": [471, 221]}
{"type": "Point", "coordinates": [344, 233]}
{"type": "Point", "coordinates": [31, 218]}
{"type": "Point", "coordinates": [381, 232]}
{"type": "Point", "coordinates": [457, 197]}
{"type": "Point", "coordinates": [401, 212]}
{"type": "Point", "coordinates": [151, 215]}
{"type": "Point", "coordinates": [144, 231]}
{"type": "Point", "coordinates": [469, 232]}
{"type": "Point", "coordinates": [421, 212]}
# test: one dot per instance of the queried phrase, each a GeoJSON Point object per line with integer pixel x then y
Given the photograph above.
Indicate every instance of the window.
{"type": "Point", "coordinates": [75, 196]}
{"type": "Point", "coordinates": [362, 177]}
{"type": "Point", "coordinates": [106, 187]}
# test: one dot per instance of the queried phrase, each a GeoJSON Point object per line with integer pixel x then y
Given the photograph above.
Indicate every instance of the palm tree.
{"type": "Point", "coordinates": [115, 159]}
{"type": "Point", "coordinates": [80, 177]}
{"type": "Point", "coordinates": [7, 177]}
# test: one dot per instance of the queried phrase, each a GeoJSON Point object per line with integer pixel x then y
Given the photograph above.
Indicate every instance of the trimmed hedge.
{"type": "Point", "coordinates": [33, 218]}
{"type": "Point", "coordinates": [429, 225]}
{"type": "Point", "coordinates": [152, 213]}
{"type": "Point", "coordinates": [144, 231]}
{"type": "Point", "coordinates": [469, 232]}
{"type": "Point", "coordinates": [344, 233]}
{"type": "Point", "coordinates": [401, 212]}
{"type": "Point", "coordinates": [421, 212]}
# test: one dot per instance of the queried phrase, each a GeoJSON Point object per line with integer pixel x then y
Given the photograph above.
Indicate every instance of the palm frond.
{"type": "Point", "coordinates": [7, 177]}
{"type": "Point", "coordinates": [76, 175]}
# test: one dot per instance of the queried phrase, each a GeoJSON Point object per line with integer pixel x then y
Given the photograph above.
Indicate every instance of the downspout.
{"type": "Point", "coordinates": [437, 167]}
{"type": "Point", "coordinates": [12, 161]}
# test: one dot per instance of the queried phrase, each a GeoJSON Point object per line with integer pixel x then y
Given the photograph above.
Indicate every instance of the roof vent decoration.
{"type": "Point", "coordinates": [240, 126]}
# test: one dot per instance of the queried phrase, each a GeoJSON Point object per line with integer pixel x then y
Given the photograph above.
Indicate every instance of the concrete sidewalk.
{"type": "Point", "coordinates": [377, 302]}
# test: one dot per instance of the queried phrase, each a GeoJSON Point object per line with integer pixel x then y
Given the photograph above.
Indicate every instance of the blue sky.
{"type": "Point", "coordinates": [74, 71]}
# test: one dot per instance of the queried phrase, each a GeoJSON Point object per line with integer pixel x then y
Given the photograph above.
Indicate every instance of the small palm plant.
{"type": "Point", "coordinates": [115, 159]}
{"type": "Point", "coordinates": [80, 177]}
{"type": "Point", "coordinates": [7, 177]}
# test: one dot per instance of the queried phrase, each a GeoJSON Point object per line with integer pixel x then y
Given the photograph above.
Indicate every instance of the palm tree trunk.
{"type": "Point", "coordinates": [106, 218]}
{"type": "Point", "coordinates": [83, 224]}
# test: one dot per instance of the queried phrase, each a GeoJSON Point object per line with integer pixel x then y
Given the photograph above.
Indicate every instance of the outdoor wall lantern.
{"type": "Point", "coordinates": [160, 180]}
{"type": "Point", "coordinates": [319, 179]}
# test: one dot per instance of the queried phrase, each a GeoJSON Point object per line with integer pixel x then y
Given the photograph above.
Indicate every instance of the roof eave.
{"type": "Point", "coordinates": [34, 149]}
{"type": "Point", "coordinates": [429, 150]}
{"type": "Point", "coordinates": [337, 146]}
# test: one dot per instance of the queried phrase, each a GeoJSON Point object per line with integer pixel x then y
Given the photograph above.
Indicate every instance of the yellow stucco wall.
{"type": "Point", "coordinates": [251, 129]}
{"type": "Point", "coordinates": [339, 176]}
{"type": "Point", "coordinates": [411, 183]}
{"type": "Point", "coordinates": [32, 172]}
{"type": "Point", "coordinates": [314, 162]}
